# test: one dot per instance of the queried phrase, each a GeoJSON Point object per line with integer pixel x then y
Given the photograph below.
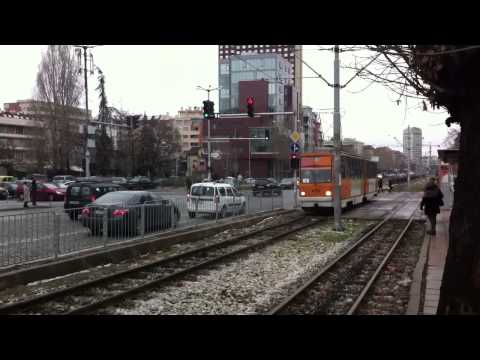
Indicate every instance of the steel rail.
{"type": "Point", "coordinates": [37, 300]}
{"type": "Point", "coordinates": [333, 263]}
{"type": "Point", "coordinates": [164, 279]}
{"type": "Point", "coordinates": [374, 277]}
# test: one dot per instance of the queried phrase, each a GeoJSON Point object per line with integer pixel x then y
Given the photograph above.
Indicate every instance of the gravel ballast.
{"type": "Point", "coordinates": [48, 285]}
{"type": "Point", "coordinates": [251, 284]}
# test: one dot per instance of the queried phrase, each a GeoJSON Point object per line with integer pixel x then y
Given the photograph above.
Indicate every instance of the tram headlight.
{"type": "Point", "coordinates": [328, 193]}
{"type": "Point", "coordinates": [302, 193]}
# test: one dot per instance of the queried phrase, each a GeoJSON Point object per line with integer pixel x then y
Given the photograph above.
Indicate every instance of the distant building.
{"type": "Point", "coordinates": [188, 122]}
{"type": "Point", "coordinates": [310, 129]}
{"type": "Point", "coordinates": [412, 142]}
{"type": "Point", "coordinates": [271, 67]}
{"type": "Point", "coordinates": [368, 151]}
{"type": "Point", "coordinates": [352, 146]}
{"type": "Point", "coordinates": [268, 78]}
{"type": "Point", "coordinates": [385, 155]}
{"type": "Point", "coordinates": [17, 133]}
{"type": "Point", "coordinates": [291, 53]}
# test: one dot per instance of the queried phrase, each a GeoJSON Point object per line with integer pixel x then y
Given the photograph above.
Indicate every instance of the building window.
{"type": "Point", "coordinates": [261, 145]}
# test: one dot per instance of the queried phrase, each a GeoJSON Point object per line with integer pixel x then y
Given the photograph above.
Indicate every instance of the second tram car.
{"type": "Point", "coordinates": [358, 182]}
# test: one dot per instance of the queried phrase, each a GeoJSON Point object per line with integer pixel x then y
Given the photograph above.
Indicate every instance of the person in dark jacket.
{"type": "Point", "coordinates": [33, 191]}
{"type": "Point", "coordinates": [188, 183]}
{"type": "Point", "coordinates": [431, 202]}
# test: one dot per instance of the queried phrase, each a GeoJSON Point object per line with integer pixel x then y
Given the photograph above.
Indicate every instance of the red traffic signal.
{"type": "Point", "coordinates": [250, 103]}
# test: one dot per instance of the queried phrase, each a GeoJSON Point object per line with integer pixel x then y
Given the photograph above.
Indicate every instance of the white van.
{"type": "Point", "coordinates": [212, 198]}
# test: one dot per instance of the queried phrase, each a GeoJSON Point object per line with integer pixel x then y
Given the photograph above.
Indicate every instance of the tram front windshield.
{"type": "Point", "coordinates": [316, 176]}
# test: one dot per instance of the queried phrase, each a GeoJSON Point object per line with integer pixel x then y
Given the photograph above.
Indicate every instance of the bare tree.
{"type": "Point", "coordinates": [58, 91]}
{"type": "Point", "coordinates": [445, 76]}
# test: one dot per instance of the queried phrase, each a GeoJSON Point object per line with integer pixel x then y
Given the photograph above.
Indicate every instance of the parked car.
{"type": "Point", "coordinates": [11, 187]}
{"type": "Point", "coordinates": [139, 183]}
{"type": "Point", "coordinates": [63, 178]}
{"type": "Point", "coordinates": [249, 181]}
{"type": "Point", "coordinates": [287, 183]}
{"type": "Point", "coordinates": [66, 184]}
{"type": "Point", "coordinates": [45, 192]}
{"type": "Point", "coordinates": [119, 180]}
{"type": "Point", "coordinates": [5, 178]}
{"type": "Point", "coordinates": [3, 193]}
{"type": "Point", "coordinates": [124, 209]}
{"type": "Point", "coordinates": [213, 198]}
{"type": "Point", "coordinates": [265, 187]}
{"type": "Point", "coordinates": [80, 194]}
{"type": "Point", "coordinates": [41, 178]}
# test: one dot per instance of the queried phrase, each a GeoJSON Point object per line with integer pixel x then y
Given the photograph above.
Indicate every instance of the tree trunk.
{"type": "Point", "coordinates": [460, 292]}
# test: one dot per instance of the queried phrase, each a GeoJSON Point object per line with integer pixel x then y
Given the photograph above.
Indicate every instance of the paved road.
{"type": "Point", "coordinates": [35, 233]}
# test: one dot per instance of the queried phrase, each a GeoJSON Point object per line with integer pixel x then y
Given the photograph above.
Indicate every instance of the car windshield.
{"type": "Point", "coordinates": [203, 190]}
{"type": "Point", "coordinates": [316, 176]}
{"type": "Point", "coordinates": [117, 197]}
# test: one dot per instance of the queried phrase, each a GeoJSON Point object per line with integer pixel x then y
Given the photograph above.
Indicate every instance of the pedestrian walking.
{"type": "Point", "coordinates": [188, 183]}
{"type": "Point", "coordinates": [34, 192]}
{"type": "Point", "coordinates": [390, 185]}
{"type": "Point", "coordinates": [26, 194]}
{"type": "Point", "coordinates": [431, 202]}
{"type": "Point", "coordinates": [380, 184]}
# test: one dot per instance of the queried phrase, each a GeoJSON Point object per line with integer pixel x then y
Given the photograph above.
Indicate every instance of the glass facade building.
{"type": "Point", "coordinates": [270, 67]}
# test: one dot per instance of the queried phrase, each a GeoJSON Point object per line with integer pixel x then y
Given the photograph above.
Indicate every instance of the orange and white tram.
{"type": "Point", "coordinates": [358, 182]}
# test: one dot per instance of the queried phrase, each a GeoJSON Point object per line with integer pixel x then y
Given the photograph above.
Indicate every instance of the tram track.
{"type": "Point", "coordinates": [98, 293]}
{"type": "Point", "coordinates": [341, 286]}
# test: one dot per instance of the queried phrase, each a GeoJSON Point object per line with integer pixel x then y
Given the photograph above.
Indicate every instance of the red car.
{"type": "Point", "coordinates": [45, 192]}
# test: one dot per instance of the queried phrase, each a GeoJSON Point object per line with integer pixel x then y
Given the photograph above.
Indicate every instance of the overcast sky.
{"type": "Point", "coordinates": [158, 79]}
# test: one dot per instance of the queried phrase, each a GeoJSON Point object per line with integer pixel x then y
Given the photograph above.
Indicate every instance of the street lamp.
{"type": "Point", "coordinates": [208, 124]}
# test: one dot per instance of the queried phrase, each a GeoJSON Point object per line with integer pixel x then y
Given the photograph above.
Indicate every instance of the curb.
{"type": "Point", "coordinates": [414, 302]}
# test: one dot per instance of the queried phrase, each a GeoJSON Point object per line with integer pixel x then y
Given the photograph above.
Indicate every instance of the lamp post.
{"type": "Point", "coordinates": [208, 125]}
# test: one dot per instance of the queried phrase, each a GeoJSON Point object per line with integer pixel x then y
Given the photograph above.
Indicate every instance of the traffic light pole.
{"type": "Point", "coordinates": [337, 202]}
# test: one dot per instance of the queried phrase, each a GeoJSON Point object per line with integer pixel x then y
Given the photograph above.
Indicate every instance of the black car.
{"type": "Point", "coordinates": [265, 187]}
{"type": "Point", "coordinates": [80, 194]}
{"type": "Point", "coordinates": [3, 193]}
{"type": "Point", "coordinates": [11, 188]}
{"type": "Point", "coordinates": [140, 183]}
{"type": "Point", "coordinates": [122, 211]}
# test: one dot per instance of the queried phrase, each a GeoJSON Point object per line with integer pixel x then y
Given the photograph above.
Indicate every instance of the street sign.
{"type": "Point", "coordinates": [294, 147]}
{"type": "Point", "coordinates": [295, 136]}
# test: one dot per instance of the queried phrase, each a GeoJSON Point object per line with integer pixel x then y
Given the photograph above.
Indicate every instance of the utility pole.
{"type": "Point", "coordinates": [337, 202]}
{"type": "Point", "coordinates": [408, 157]}
{"type": "Point", "coordinates": [86, 152]}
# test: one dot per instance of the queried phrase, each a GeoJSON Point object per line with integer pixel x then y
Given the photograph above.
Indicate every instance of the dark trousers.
{"type": "Point", "coordinates": [433, 222]}
{"type": "Point", "coordinates": [33, 195]}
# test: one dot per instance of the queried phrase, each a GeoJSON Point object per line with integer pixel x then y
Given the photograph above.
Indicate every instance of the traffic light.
{"type": "Point", "coordinates": [208, 109]}
{"type": "Point", "coordinates": [250, 105]}
{"type": "Point", "coordinates": [294, 162]}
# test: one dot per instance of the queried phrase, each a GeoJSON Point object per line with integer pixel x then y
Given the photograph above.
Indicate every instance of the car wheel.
{"type": "Point", "coordinates": [191, 215]}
